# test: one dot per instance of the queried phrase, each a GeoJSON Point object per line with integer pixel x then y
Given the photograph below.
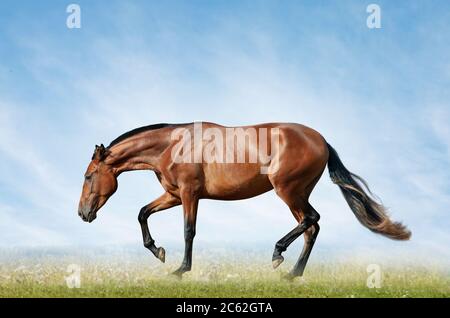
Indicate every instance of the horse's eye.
{"type": "Point", "coordinates": [87, 178]}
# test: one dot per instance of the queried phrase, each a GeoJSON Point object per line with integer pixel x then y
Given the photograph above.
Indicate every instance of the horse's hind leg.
{"type": "Point", "coordinates": [309, 217]}
{"type": "Point", "coordinates": [310, 236]}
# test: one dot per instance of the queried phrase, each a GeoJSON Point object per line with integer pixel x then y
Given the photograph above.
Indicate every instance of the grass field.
{"type": "Point", "coordinates": [119, 278]}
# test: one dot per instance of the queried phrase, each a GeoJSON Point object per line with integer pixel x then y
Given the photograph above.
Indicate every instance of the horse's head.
{"type": "Point", "coordinates": [100, 183]}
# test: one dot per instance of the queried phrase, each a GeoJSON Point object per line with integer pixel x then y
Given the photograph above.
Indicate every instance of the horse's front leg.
{"type": "Point", "coordinates": [164, 202]}
{"type": "Point", "coordinates": [190, 206]}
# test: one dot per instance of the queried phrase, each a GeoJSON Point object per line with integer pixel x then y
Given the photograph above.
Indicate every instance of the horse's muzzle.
{"type": "Point", "coordinates": [87, 215]}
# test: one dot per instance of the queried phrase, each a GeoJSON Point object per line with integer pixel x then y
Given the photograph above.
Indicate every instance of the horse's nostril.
{"type": "Point", "coordinates": [82, 215]}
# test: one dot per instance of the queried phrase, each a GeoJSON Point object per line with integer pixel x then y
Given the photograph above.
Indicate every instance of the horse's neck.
{"type": "Point", "coordinates": [138, 153]}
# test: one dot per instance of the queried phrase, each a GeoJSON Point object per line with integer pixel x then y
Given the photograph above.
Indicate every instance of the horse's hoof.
{"type": "Point", "coordinates": [276, 261]}
{"type": "Point", "coordinates": [161, 254]}
{"type": "Point", "coordinates": [178, 274]}
{"type": "Point", "coordinates": [289, 277]}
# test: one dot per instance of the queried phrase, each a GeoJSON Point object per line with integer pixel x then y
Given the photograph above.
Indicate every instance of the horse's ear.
{"type": "Point", "coordinates": [104, 152]}
{"type": "Point", "coordinates": [100, 152]}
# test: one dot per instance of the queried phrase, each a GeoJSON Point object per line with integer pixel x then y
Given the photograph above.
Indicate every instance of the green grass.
{"type": "Point", "coordinates": [128, 279]}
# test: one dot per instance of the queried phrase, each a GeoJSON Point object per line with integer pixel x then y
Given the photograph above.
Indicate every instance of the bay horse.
{"type": "Point", "coordinates": [302, 155]}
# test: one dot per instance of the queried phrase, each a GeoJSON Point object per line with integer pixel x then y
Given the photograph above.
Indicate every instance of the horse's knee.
{"type": "Point", "coordinates": [142, 217]}
{"type": "Point", "coordinates": [315, 218]}
{"type": "Point", "coordinates": [312, 217]}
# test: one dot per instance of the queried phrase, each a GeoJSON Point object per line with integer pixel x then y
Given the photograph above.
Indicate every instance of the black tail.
{"type": "Point", "coordinates": [368, 212]}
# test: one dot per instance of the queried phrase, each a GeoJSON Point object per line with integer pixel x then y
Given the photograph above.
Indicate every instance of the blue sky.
{"type": "Point", "coordinates": [380, 97]}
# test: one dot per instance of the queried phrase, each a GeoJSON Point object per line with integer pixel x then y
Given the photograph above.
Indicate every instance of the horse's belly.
{"type": "Point", "coordinates": [234, 181]}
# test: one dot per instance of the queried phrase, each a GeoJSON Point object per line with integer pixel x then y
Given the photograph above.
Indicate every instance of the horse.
{"type": "Point", "coordinates": [295, 165]}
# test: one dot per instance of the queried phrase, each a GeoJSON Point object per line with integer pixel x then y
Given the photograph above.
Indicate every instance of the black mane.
{"type": "Point", "coordinates": [140, 130]}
